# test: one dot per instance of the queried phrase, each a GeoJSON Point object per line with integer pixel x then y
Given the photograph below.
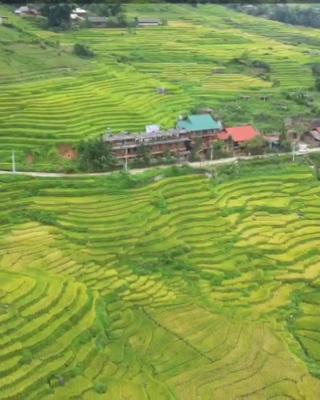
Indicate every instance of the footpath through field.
{"type": "Point", "coordinates": [134, 171]}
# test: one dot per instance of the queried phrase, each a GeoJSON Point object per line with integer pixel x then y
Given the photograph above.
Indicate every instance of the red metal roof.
{"type": "Point", "coordinates": [239, 133]}
{"type": "Point", "coordinates": [223, 135]}
{"type": "Point", "coordinates": [272, 138]}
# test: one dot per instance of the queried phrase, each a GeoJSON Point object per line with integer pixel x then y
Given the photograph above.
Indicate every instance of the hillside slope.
{"type": "Point", "coordinates": [244, 68]}
{"type": "Point", "coordinates": [161, 288]}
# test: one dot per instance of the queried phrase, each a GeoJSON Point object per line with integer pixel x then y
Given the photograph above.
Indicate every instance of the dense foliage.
{"type": "Point", "coordinates": [290, 14]}
{"type": "Point", "coordinates": [58, 14]}
{"type": "Point", "coordinates": [96, 155]}
{"type": "Point", "coordinates": [82, 50]}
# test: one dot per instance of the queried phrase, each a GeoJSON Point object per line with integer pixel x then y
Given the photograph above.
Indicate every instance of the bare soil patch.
{"type": "Point", "coordinates": [30, 158]}
{"type": "Point", "coordinates": [67, 152]}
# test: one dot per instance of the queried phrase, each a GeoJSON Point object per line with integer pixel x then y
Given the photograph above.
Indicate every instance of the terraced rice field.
{"type": "Point", "coordinates": [161, 287]}
{"type": "Point", "coordinates": [63, 99]}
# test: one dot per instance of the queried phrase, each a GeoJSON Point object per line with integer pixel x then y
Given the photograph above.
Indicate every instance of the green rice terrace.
{"type": "Point", "coordinates": [170, 285]}
{"type": "Point", "coordinates": [246, 69]}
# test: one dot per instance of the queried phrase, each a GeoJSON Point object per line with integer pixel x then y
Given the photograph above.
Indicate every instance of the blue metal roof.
{"type": "Point", "coordinates": [201, 122]}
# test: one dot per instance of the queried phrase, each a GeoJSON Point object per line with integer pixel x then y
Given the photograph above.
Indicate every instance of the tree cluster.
{"type": "Point", "coordinates": [315, 67]}
{"type": "Point", "coordinates": [289, 14]}
{"type": "Point", "coordinates": [58, 13]}
{"type": "Point", "coordinates": [82, 50]}
{"type": "Point", "coordinates": [96, 155]}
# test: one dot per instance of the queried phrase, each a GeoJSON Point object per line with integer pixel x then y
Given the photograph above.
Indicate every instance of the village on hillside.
{"type": "Point", "coordinates": [81, 16]}
{"type": "Point", "coordinates": [198, 136]}
{"type": "Point", "coordinates": [202, 136]}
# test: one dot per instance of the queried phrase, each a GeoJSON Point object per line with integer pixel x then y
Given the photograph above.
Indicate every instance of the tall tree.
{"type": "Point", "coordinates": [96, 155]}
{"type": "Point", "coordinates": [58, 14]}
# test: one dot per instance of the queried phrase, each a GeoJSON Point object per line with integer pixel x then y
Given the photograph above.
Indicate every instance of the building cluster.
{"type": "Point", "coordinates": [312, 135]}
{"type": "Point", "coordinates": [79, 15]}
{"type": "Point", "coordinates": [27, 11]}
{"type": "Point", "coordinates": [195, 132]}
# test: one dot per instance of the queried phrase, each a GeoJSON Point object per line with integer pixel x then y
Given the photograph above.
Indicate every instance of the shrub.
{"type": "Point", "coordinates": [160, 203]}
{"type": "Point", "coordinates": [256, 146]}
{"type": "Point", "coordinates": [96, 155]}
{"type": "Point", "coordinates": [315, 67]}
{"type": "Point", "coordinates": [219, 150]}
{"type": "Point", "coordinates": [100, 388]}
{"type": "Point", "coordinates": [317, 84]}
{"type": "Point", "coordinates": [82, 50]}
{"type": "Point", "coordinates": [144, 154]}
{"type": "Point", "coordinates": [261, 64]}
{"type": "Point", "coordinates": [101, 341]}
{"type": "Point", "coordinates": [26, 357]}
{"type": "Point", "coordinates": [44, 217]}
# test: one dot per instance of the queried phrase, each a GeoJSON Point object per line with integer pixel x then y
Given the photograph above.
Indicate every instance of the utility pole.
{"type": "Point", "coordinates": [293, 150]}
{"type": "Point", "coordinates": [126, 161]}
{"type": "Point", "coordinates": [236, 163]}
{"type": "Point", "coordinates": [13, 163]}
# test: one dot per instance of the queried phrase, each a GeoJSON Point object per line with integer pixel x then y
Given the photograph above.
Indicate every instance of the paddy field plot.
{"type": "Point", "coordinates": [161, 287]}
{"type": "Point", "coordinates": [50, 97]}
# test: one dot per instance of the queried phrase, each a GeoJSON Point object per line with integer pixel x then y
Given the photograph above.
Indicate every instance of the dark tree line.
{"type": "Point", "coordinates": [289, 14]}
{"type": "Point", "coordinates": [58, 13]}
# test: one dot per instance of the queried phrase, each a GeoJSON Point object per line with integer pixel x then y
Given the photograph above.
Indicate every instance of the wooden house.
{"type": "Point", "coordinates": [80, 12]}
{"type": "Point", "coordinates": [157, 144]}
{"type": "Point", "coordinates": [26, 11]}
{"type": "Point", "coordinates": [312, 137]}
{"type": "Point", "coordinates": [273, 141]}
{"type": "Point", "coordinates": [142, 22]}
{"type": "Point", "coordinates": [238, 135]}
{"type": "Point", "coordinates": [97, 22]}
{"type": "Point", "coordinates": [201, 129]}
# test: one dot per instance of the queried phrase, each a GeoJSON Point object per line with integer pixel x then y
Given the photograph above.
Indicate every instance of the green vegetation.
{"type": "Point", "coordinates": [58, 15]}
{"type": "Point", "coordinates": [51, 97]}
{"type": "Point", "coordinates": [257, 145]}
{"type": "Point", "coordinates": [307, 14]}
{"type": "Point", "coordinates": [168, 285]}
{"type": "Point", "coordinates": [177, 283]}
{"type": "Point", "coordinates": [83, 51]}
{"type": "Point", "coordinates": [96, 155]}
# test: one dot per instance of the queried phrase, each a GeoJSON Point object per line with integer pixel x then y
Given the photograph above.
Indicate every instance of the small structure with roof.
{"type": "Point", "coordinates": [315, 123]}
{"type": "Point", "coordinates": [273, 141]}
{"type": "Point", "coordinates": [152, 129]}
{"type": "Point", "coordinates": [80, 11]}
{"type": "Point", "coordinates": [238, 135]}
{"type": "Point", "coordinates": [26, 11]}
{"type": "Point", "coordinates": [97, 22]}
{"type": "Point", "coordinates": [78, 14]}
{"type": "Point", "coordinates": [127, 146]}
{"type": "Point", "coordinates": [312, 137]}
{"type": "Point", "coordinates": [200, 123]}
{"type": "Point", "coordinates": [3, 19]}
{"type": "Point", "coordinates": [148, 22]}
{"type": "Point", "coordinates": [201, 129]}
